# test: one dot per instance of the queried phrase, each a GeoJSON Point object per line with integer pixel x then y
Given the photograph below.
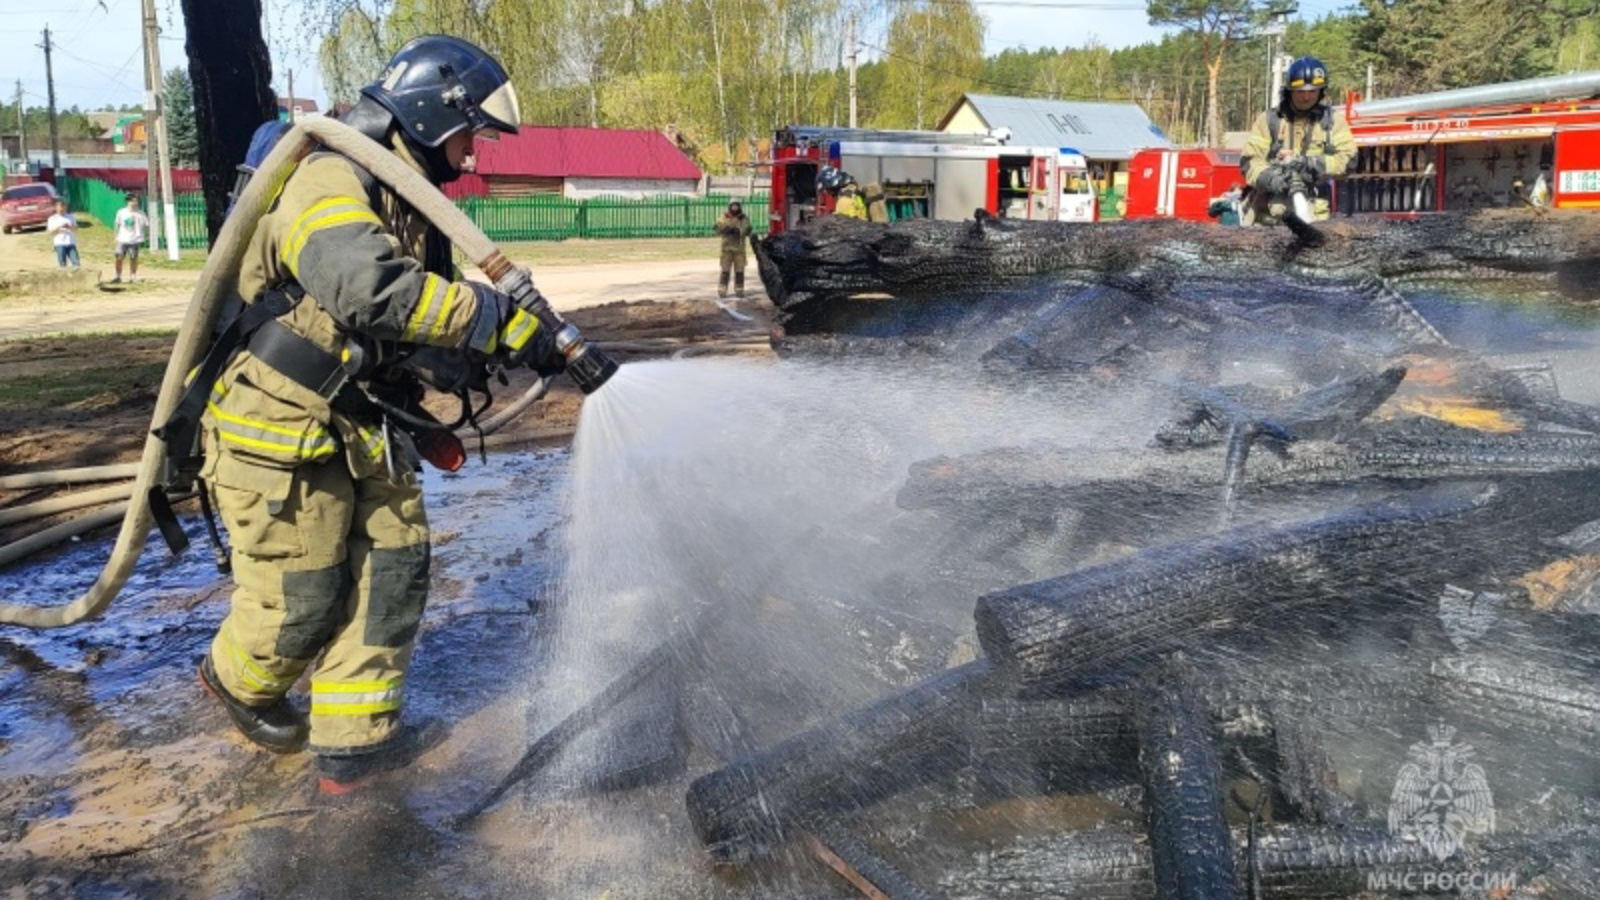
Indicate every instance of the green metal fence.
{"type": "Point", "coordinates": [550, 217]}
{"type": "Point", "coordinates": [101, 200]}
{"type": "Point", "coordinates": [538, 217]}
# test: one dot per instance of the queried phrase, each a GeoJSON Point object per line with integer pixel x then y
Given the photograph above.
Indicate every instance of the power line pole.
{"type": "Point", "coordinates": [850, 42]}
{"type": "Point", "coordinates": [291, 96]}
{"type": "Point", "coordinates": [22, 129]}
{"type": "Point", "coordinates": [169, 206]}
{"type": "Point", "coordinates": [1275, 57]}
{"type": "Point", "coordinates": [1368, 94]}
{"type": "Point", "coordinates": [152, 193]}
{"type": "Point", "coordinates": [50, 91]}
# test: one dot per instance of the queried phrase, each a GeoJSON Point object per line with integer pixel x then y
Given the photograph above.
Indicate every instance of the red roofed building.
{"type": "Point", "coordinates": [578, 163]}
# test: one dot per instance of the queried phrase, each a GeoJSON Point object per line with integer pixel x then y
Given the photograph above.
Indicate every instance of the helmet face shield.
{"type": "Point", "coordinates": [501, 110]}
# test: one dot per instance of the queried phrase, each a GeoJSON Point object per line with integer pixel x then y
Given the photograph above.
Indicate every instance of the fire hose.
{"type": "Point", "coordinates": [589, 367]}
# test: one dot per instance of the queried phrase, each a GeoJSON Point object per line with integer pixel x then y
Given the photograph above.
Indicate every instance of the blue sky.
{"type": "Point", "coordinates": [97, 60]}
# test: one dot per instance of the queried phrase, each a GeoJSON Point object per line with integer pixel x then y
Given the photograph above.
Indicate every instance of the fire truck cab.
{"type": "Point", "coordinates": [930, 175]}
{"type": "Point", "coordinates": [1519, 144]}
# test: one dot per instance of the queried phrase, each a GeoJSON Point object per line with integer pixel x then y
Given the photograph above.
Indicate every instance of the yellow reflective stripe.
{"type": "Point", "coordinates": [371, 442]}
{"type": "Point", "coordinates": [355, 698]}
{"type": "Point", "coordinates": [516, 332]}
{"type": "Point", "coordinates": [258, 435]}
{"type": "Point", "coordinates": [330, 213]}
{"type": "Point", "coordinates": [427, 318]}
{"type": "Point", "coordinates": [254, 673]}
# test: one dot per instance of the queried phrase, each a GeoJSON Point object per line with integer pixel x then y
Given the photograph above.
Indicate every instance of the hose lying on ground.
{"type": "Point", "coordinates": [25, 480]}
{"type": "Point", "coordinates": [217, 281]}
{"type": "Point", "coordinates": [11, 515]}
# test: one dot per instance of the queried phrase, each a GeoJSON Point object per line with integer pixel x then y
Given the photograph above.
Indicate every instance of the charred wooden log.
{"type": "Point", "coordinates": [835, 259]}
{"type": "Point", "coordinates": [1527, 699]}
{"type": "Point", "coordinates": [1325, 412]}
{"type": "Point", "coordinates": [1126, 489]}
{"type": "Point", "coordinates": [1304, 778]}
{"type": "Point", "coordinates": [1190, 850]}
{"type": "Point", "coordinates": [1076, 745]}
{"type": "Point", "coordinates": [851, 762]}
{"type": "Point", "coordinates": [1051, 632]}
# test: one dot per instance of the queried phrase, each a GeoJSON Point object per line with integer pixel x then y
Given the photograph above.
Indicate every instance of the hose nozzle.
{"type": "Point", "coordinates": [589, 367]}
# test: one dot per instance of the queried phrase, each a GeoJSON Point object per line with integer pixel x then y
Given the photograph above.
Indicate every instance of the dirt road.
{"type": "Point", "coordinates": [159, 300]}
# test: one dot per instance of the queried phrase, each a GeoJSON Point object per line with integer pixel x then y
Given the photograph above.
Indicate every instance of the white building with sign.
{"type": "Point", "coordinates": [1107, 134]}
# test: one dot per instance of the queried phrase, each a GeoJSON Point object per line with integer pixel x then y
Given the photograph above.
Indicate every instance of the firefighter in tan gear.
{"type": "Point", "coordinates": [1296, 146]}
{"type": "Point", "coordinates": [734, 229]}
{"type": "Point", "coordinates": [305, 454]}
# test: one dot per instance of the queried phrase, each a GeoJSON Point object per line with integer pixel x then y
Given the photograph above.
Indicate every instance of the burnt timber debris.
{"type": "Point", "coordinates": [1257, 616]}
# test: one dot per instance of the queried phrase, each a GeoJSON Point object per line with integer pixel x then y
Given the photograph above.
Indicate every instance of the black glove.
{"type": "Point", "coordinates": [1316, 167]}
{"type": "Point", "coordinates": [506, 331]}
{"type": "Point", "coordinates": [1274, 180]}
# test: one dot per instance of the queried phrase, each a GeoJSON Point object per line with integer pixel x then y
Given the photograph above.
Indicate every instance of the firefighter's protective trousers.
{"type": "Point", "coordinates": [330, 573]}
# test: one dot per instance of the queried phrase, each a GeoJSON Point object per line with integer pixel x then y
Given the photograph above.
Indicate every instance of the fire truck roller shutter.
{"type": "Point", "coordinates": [960, 186]}
{"type": "Point", "coordinates": [862, 168]}
{"type": "Point", "coordinates": [908, 170]}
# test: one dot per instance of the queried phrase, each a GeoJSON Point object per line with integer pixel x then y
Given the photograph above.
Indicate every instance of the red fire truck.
{"type": "Point", "coordinates": [1534, 142]}
{"type": "Point", "coordinates": [928, 174]}
{"type": "Point", "coordinates": [1180, 184]}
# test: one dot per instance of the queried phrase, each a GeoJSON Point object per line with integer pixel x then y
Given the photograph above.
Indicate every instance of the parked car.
{"type": "Point", "coordinates": [26, 206]}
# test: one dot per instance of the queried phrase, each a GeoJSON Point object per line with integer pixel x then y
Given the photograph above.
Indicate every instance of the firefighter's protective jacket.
{"type": "Point", "coordinates": [354, 249]}
{"type": "Point", "coordinates": [850, 204]}
{"type": "Point", "coordinates": [733, 230]}
{"type": "Point", "coordinates": [1319, 131]}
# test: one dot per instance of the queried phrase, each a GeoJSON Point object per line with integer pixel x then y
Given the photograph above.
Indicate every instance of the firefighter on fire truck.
{"type": "Point", "coordinates": [848, 200]}
{"type": "Point", "coordinates": [1296, 146]}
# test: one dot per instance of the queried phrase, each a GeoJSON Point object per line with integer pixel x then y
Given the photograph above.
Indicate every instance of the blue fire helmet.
{"type": "Point", "coordinates": [832, 179]}
{"type": "Point", "coordinates": [1306, 73]}
{"type": "Point", "coordinates": [437, 85]}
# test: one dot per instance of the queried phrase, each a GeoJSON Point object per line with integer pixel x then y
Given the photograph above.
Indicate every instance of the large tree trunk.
{"type": "Point", "coordinates": [232, 75]}
{"type": "Point", "coordinates": [816, 274]}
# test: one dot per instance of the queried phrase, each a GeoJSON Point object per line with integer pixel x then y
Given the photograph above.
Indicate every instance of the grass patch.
{"type": "Point", "coordinates": [82, 387]}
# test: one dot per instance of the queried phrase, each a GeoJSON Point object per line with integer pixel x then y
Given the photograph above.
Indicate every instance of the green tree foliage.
{"type": "Point", "coordinates": [1427, 45]}
{"type": "Point", "coordinates": [183, 140]}
{"type": "Point", "coordinates": [934, 55]}
{"type": "Point", "coordinates": [1216, 24]}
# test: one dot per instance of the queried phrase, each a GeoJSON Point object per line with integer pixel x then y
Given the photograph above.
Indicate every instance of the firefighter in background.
{"type": "Point", "coordinates": [305, 456]}
{"type": "Point", "coordinates": [848, 201]}
{"type": "Point", "coordinates": [1298, 145]}
{"type": "Point", "coordinates": [734, 229]}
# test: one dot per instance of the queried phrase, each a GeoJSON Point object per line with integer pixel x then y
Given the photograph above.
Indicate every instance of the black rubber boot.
{"type": "Point", "coordinates": [345, 774]}
{"type": "Point", "coordinates": [276, 726]}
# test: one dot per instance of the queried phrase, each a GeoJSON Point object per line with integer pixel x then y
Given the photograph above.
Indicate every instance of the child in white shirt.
{"type": "Point", "coordinates": [63, 228]}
